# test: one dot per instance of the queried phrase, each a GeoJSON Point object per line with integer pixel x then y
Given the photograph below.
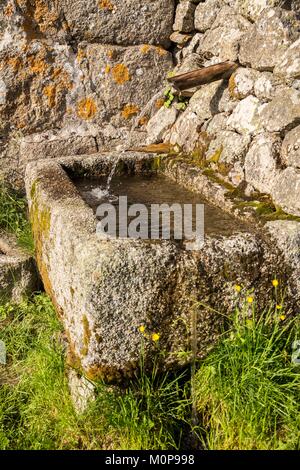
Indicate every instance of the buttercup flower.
{"type": "Point", "coordinates": [282, 317]}
{"type": "Point", "coordinates": [275, 282]}
{"type": "Point", "coordinates": [250, 299]}
{"type": "Point", "coordinates": [237, 288]}
{"type": "Point", "coordinates": [278, 307]}
{"type": "Point", "coordinates": [142, 329]}
{"type": "Point", "coordinates": [155, 337]}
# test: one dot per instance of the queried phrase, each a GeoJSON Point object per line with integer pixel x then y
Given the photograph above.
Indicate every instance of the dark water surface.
{"type": "Point", "coordinates": [156, 190]}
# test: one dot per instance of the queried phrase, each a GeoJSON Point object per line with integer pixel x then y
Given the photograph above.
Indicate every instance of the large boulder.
{"type": "Point", "coordinates": [286, 189]}
{"type": "Point", "coordinates": [291, 148]}
{"type": "Point", "coordinates": [105, 21]}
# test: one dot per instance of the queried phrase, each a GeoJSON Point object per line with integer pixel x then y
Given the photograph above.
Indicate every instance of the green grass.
{"type": "Point", "coordinates": [36, 411]}
{"type": "Point", "coordinates": [13, 217]}
{"type": "Point", "coordinates": [247, 389]}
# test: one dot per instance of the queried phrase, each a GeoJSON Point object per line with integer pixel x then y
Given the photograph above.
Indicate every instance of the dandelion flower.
{"type": "Point", "coordinates": [155, 337]}
{"type": "Point", "coordinates": [278, 307]}
{"type": "Point", "coordinates": [282, 317]}
{"type": "Point", "coordinates": [275, 282]}
{"type": "Point", "coordinates": [250, 299]}
{"type": "Point", "coordinates": [142, 329]}
{"type": "Point", "coordinates": [237, 288]}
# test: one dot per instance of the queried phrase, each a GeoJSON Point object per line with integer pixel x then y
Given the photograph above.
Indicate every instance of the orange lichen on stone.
{"type": "Point", "coordinates": [15, 63]}
{"type": "Point", "coordinates": [110, 54]}
{"type": "Point", "coordinates": [159, 103]}
{"type": "Point", "coordinates": [106, 5]}
{"type": "Point", "coordinates": [129, 110]}
{"type": "Point", "coordinates": [80, 55]}
{"type": "Point", "coordinates": [8, 11]}
{"type": "Point", "coordinates": [86, 108]}
{"type": "Point", "coordinates": [120, 74]}
{"type": "Point", "coordinates": [107, 69]}
{"type": "Point", "coordinates": [143, 121]}
{"type": "Point", "coordinates": [145, 48]}
{"type": "Point", "coordinates": [37, 65]}
{"type": "Point", "coordinates": [50, 92]}
{"type": "Point", "coordinates": [42, 15]}
{"type": "Point", "coordinates": [161, 51]}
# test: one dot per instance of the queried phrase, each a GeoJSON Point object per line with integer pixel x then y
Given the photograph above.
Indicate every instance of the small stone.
{"type": "Point", "coordinates": [245, 118]}
{"type": "Point", "coordinates": [241, 83]}
{"type": "Point", "coordinates": [261, 162]}
{"type": "Point", "coordinates": [185, 132]}
{"type": "Point", "coordinates": [282, 194]}
{"type": "Point", "coordinates": [184, 19]}
{"type": "Point", "coordinates": [282, 113]}
{"type": "Point", "coordinates": [289, 66]}
{"type": "Point", "coordinates": [160, 123]}
{"type": "Point", "coordinates": [206, 14]}
{"type": "Point", "coordinates": [179, 38]}
{"type": "Point", "coordinates": [223, 38]}
{"type": "Point", "coordinates": [265, 43]}
{"type": "Point", "coordinates": [291, 148]}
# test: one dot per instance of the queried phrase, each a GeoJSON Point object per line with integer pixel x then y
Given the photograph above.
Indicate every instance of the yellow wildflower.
{"type": "Point", "coordinates": [278, 307]}
{"type": "Point", "coordinates": [155, 337]}
{"type": "Point", "coordinates": [282, 317]}
{"type": "Point", "coordinates": [275, 282]}
{"type": "Point", "coordinates": [250, 299]}
{"type": "Point", "coordinates": [237, 288]}
{"type": "Point", "coordinates": [142, 329]}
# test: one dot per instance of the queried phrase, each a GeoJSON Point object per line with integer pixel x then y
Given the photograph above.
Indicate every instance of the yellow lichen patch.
{"type": "Point", "coordinates": [50, 92]}
{"type": "Point", "coordinates": [161, 51]}
{"type": "Point", "coordinates": [143, 121]}
{"type": "Point", "coordinates": [145, 48]}
{"type": "Point", "coordinates": [80, 55]}
{"type": "Point", "coordinates": [15, 63]}
{"type": "Point", "coordinates": [42, 15]}
{"type": "Point", "coordinates": [107, 69]}
{"type": "Point", "coordinates": [159, 103]}
{"type": "Point", "coordinates": [37, 65]}
{"type": "Point", "coordinates": [110, 54]}
{"type": "Point", "coordinates": [129, 110]}
{"type": "Point", "coordinates": [8, 11]}
{"type": "Point", "coordinates": [120, 74]}
{"type": "Point", "coordinates": [86, 335]}
{"type": "Point", "coordinates": [86, 108]}
{"type": "Point", "coordinates": [233, 92]}
{"type": "Point", "coordinates": [106, 5]}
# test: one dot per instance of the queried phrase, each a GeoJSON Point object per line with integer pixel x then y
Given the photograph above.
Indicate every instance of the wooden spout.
{"type": "Point", "coordinates": [203, 76]}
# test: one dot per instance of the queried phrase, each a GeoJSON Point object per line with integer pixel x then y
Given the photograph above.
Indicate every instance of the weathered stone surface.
{"type": "Point", "coordinates": [193, 46]}
{"type": "Point", "coordinates": [160, 123]}
{"type": "Point", "coordinates": [266, 86]}
{"type": "Point", "coordinates": [105, 21]}
{"type": "Point", "coordinates": [18, 273]}
{"type": "Point", "coordinates": [282, 194]}
{"type": "Point", "coordinates": [82, 390]}
{"type": "Point", "coordinates": [130, 75]}
{"type": "Point", "coordinates": [261, 162]}
{"type": "Point", "coordinates": [205, 102]}
{"type": "Point", "coordinates": [245, 117]}
{"type": "Point", "coordinates": [266, 41]}
{"type": "Point", "coordinates": [282, 113]}
{"type": "Point", "coordinates": [253, 8]}
{"type": "Point", "coordinates": [286, 235]}
{"type": "Point", "coordinates": [223, 38]}
{"type": "Point", "coordinates": [64, 142]}
{"type": "Point", "coordinates": [180, 38]}
{"type": "Point", "coordinates": [206, 14]}
{"type": "Point", "coordinates": [290, 153]}
{"type": "Point", "coordinates": [190, 62]}
{"type": "Point", "coordinates": [104, 290]}
{"type": "Point", "coordinates": [184, 19]}
{"type": "Point", "coordinates": [242, 82]}
{"type": "Point", "coordinates": [185, 131]}
{"type": "Point", "coordinates": [289, 66]}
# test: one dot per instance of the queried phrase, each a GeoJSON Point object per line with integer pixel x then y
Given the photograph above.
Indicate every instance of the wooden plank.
{"type": "Point", "coordinates": [203, 76]}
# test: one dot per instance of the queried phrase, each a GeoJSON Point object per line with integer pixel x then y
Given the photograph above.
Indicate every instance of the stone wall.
{"type": "Point", "coordinates": [77, 71]}
{"type": "Point", "coordinates": [246, 129]}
